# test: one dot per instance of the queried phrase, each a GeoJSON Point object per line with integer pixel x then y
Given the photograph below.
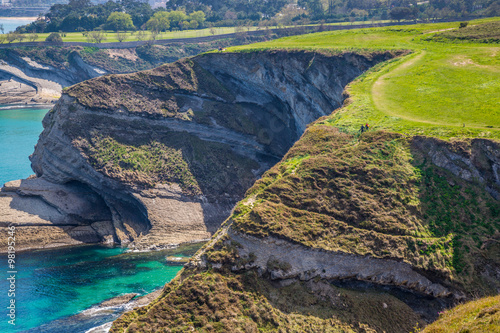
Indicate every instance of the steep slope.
{"type": "Point", "coordinates": [477, 316]}
{"type": "Point", "coordinates": [372, 232]}
{"type": "Point", "coordinates": [171, 150]}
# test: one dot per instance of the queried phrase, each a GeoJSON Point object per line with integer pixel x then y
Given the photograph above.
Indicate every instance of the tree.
{"type": "Point", "coordinates": [141, 35]}
{"type": "Point", "coordinates": [120, 21]}
{"type": "Point", "coordinates": [184, 25]}
{"type": "Point", "coordinates": [401, 13]}
{"type": "Point", "coordinates": [193, 24]}
{"type": "Point", "coordinates": [154, 35]}
{"type": "Point", "coordinates": [54, 38]}
{"type": "Point", "coordinates": [40, 25]}
{"type": "Point", "coordinates": [96, 36]}
{"type": "Point", "coordinates": [121, 36]}
{"type": "Point", "coordinates": [159, 22]}
{"type": "Point", "coordinates": [1, 28]}
{"type": "Point", "coordinates": [197, 16]}
{"type": "Point", "coordinates": [176, 18]}
{"type": "Point", "coordinates": [314, 7]}
{"type": "Point", "coordinates": [32, 37]}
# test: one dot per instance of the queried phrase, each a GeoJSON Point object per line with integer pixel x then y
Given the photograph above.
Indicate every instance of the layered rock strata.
{"type": "Point", "coordinates": [171, 150]}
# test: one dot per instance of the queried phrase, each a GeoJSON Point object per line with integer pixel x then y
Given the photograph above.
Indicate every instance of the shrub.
{"type": "Point", "coordinates": [54, 38]}
{"type": "Point", "coordinates": [463, 24]}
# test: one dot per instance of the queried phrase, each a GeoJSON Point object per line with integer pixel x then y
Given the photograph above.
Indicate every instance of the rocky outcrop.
{"type": "Point", "coordinates": [48, 215]}
{"type": "Point", "coordinates": [46, 81]}
{"type": "Point", "coordinates": [171, 150]}
{"type": "Point", "coordinates": [282, 260]}
{"type": "Point", "coordinates": [474, 161]}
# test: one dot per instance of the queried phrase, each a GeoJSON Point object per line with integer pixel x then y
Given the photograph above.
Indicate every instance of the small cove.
{"type": "Point", "coordinates": [56, 289]}
{"type": "Point", "coordinates": [54, 286]}
{"type": "Point", "coordinates": [19, 131]}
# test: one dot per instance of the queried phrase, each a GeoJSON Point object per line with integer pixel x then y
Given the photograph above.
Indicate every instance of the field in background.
{"type": "Point", "coordinates": [133, 36]}
{"type": "Point", "coordinates": [445, 87]}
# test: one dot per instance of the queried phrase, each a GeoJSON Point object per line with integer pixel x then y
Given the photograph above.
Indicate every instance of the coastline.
{"type": "Point", "coordinates": [27, 105]}
{"type": "Point", "coordinates": [12, 18]}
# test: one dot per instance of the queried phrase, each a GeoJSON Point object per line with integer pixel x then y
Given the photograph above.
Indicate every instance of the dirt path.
{"type": "Point", "coordinates": [379, 85]}
{"type": "Point", "coordinates": [378, 94]}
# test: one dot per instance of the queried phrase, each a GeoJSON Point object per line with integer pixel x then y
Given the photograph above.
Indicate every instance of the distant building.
{"type": "Point", "coordinates": [157, 3]}
{"type": "Point", "coordinates": [6, 3]}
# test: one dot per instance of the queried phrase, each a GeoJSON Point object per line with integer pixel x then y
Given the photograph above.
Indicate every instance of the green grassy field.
{"type": "Point", "coordinates": [133, 36]}
{"type": "Point", "coordinates": [442, 88]}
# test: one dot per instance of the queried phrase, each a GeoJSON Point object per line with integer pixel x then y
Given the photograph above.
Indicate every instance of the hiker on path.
{"type": "Point", "coordinates": [362, 129]}
{"type": "Point", "coordinates": [367, 127]}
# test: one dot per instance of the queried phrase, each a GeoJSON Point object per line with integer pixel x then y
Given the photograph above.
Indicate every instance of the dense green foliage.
{"type": "Point", "coordinates": [54, 38]}
{"type": "Point", "coordinates": [82, 15]}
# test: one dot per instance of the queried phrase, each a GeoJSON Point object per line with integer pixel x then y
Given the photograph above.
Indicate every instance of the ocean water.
{"type": "Point", "coordinates": [11, 23]}
{"type": "Point", "coordinates": [19, 131]}
{"type": "Point", "coordinates": [56, 291]}
{"type": "Point", "coordinates": [54, 287]}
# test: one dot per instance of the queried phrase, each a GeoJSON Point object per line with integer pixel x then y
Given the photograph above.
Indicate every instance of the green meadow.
{"type": "Point", "coordinates": [111, 36]}
{"type": "Point", "coordinates": [447, 86]}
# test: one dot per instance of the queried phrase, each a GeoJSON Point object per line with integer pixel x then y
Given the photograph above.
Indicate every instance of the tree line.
{"type": "Point", "coordinates": [131, 15]}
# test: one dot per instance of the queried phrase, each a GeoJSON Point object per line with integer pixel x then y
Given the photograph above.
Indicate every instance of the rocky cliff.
{"type": "Point", "coordinates": [339, 230]}
{"type": "Point", "coordinates": [38, 74]}
{"type": "Point", "coordinates": [171, 150]}
{"type": "Point", "coordinates": [348, 232]}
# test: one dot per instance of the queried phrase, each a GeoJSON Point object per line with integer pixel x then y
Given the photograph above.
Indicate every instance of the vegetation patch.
{"type": "Point", "coordinates": [478, 316]}
{"type": "Point", "coordinates": [480, 33]}
{"type": "Point", "coordinates": [146, 165]}
{"type": "Point", "coordinates": [214, 302]}
{"type": "Point", "coordinates": [372, 194]}
{"type": "Point", "coordinates": [198, 166]}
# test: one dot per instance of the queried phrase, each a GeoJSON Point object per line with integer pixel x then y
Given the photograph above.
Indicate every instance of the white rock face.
{"type": "Point", "coordinates": [306, 263]}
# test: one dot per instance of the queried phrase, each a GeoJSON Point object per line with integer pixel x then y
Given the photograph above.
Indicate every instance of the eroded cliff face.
{"type": "Point", "coordinates": [171, 150]}
{"type": "Point", "coordinates": [411, 223]}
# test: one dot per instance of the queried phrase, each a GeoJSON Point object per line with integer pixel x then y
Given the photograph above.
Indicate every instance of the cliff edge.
{"type": "Point", "coordinates": [171, 150]}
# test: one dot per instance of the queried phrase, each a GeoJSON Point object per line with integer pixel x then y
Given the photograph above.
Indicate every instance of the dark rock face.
{"type": "Point", "coordinates": [477, 161]}
{"type": "Point", "coordinates": [171, 150]}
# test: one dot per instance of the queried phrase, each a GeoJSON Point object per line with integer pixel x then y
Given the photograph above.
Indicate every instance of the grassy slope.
{"type": "Point", "coordinates": [474, 317]}
{"type": "Point", "coordinates": [369, 194]}
{"type": "Point", "coordinates": [434, 91]}
{"type": "Point", "coordinates": [215, 302]}
{"type": "Point", "coordinates": [374, 195]}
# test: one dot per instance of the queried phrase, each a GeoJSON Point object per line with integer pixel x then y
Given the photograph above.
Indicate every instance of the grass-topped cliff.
{"type": "Point", "coordinates": [364, 232]}
{"type": "Point", "coordinates": [475, 317]}
{"type": "Point", "coordinates": [436, 90]}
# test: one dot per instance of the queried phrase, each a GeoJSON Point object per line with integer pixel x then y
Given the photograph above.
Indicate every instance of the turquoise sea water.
{"type": "Point", "coordinates": [52, 286]}
{"type": "Point", "coordinates": [19, 131]}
